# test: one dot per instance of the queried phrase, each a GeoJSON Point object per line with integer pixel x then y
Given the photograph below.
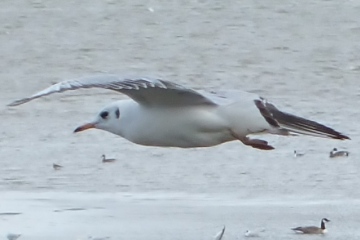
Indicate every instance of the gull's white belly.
{"type": "Point", "coordinates": [175, 127]}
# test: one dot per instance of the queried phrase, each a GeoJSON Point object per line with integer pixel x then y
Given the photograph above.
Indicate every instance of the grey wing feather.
{"type": "Point", "coordinates": [144, 91]}
{"type": "Point", "coordinates": [225, 97]}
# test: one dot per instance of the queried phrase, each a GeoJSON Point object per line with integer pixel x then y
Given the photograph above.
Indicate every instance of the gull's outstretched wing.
{"type": "Point", "coordinates": [142, 90]}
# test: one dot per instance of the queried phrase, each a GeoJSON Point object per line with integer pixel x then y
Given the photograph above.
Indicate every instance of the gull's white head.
{"type": "Point", "coordinates": [107, 119]}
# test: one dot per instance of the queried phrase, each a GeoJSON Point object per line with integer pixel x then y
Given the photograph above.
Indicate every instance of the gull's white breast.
{"type": "Point", "coordinates": [187, 126]}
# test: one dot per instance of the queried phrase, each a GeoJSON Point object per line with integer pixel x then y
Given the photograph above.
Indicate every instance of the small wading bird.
{"type": "Point", "coordinates": [312, 229]}
{"type": "Point", "coordinates": [166, 114]}
{"type": "Point", "coordinates": [57, 166]}
{"type": "Point", "coordinates": [107, 160]}
{"type": "Point", "coordinates": [335, 153]}
{"type": "Point", "coordinates": [253, 234]}
{"type": "Point", "coordinates": [296, 154]}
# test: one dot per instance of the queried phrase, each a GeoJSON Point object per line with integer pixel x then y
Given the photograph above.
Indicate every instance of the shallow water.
{"type": "Point", "coordinates": [304, 57]}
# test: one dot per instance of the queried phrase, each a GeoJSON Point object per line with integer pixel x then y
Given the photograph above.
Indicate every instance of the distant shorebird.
{"type": "Point", "coordinates": [107, 160]}
{"type": "Point", "coordinates": [250, 234]}
{"type": "Point", "coordinates": [312, 229]}
{"type": "Point", "coordinates": [220, 234]}
{"type": "Point", "coordinates": [335, 153]}
{"type": "Point", "coordinates": [57, 166]}
{"type": "Point", "coordinates": [166, 114]}
{"type": "Point", "coordinates": [296, 154]}
{"type": "Point", "coordinates": [12, 236]}
{"type": "Point", "coordinates": [98, 238]}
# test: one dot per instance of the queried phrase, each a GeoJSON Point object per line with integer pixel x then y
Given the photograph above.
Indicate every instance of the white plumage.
{"type": "Point", "coordinates": [163, 113]}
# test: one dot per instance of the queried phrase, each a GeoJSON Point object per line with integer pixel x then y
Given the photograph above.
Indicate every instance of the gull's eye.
{"type": "Point", "coordinates": [104, 115]}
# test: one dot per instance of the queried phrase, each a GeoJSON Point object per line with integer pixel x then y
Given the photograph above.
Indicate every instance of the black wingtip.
{"type": "Point", "coordinates": [337, 135]}
{"type": "Point", "coordinates": [12, 104]}
{"type": "Point", "coordinates": [17, 102]}
{"type": "Point", "coordinates": [306, 126]}
{"type": "Point", "coordinates": [340, 136]}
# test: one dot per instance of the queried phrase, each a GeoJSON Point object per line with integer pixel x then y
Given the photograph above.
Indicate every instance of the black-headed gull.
{"type": "Point", "coordinates": [336, 153]}
{"type": "Point", "coordinates": [163, 113]}
{"type": "Point", "coordinates": [313, 229]}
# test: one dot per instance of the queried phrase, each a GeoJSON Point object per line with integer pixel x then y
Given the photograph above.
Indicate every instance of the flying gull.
{"type": "Point", "coordinates": [166, 114]}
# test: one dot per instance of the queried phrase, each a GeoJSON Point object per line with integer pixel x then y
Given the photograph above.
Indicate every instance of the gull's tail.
{"type": "Point", "coordinates": [292, 123]}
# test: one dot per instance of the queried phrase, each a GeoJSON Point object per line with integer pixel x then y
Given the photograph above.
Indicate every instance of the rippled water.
{"type": "Point", "coordinates": [303, 56]}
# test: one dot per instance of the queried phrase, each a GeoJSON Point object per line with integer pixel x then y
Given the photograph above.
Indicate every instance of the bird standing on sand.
{"type": "Point", "coordinates": [57, 166]}
{"type": "Point", "coordinates": [335, 153]}
{"type": "Point", "coordinates": [296, 154]}
{"type": "Point", "coordinates": [253, 234]}
{"type": "Point", "coordinates": [166, 114]}
{"type": "Point", "coordinates": [312, 229]}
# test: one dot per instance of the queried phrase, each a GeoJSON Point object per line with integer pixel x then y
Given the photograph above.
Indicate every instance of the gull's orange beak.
{"type": "Point", "coordinates": [84, 127]}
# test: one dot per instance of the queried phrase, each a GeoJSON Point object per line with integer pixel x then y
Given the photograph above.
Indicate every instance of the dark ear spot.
{"type": "Point", "coordinates": [104, 114]}
{"type": "Point", "coordinates": [117, 113]}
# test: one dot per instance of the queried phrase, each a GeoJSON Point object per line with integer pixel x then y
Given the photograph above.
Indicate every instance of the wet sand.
{"type": "Point", "coordinates": [60, 215]}
{"type": "Point", "coordinates": [304, 57]}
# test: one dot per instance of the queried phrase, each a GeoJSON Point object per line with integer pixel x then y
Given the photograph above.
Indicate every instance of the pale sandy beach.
{"type": "Point", "coordinates": [303, 56]}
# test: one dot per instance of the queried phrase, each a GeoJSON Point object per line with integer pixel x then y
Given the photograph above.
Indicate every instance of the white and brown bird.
{"type": "Point", "coordinates": [166, 114]}
{"type": "Point", "coordinates": [336, 153]}
{"type": "Point", "coordinates": [313, 229]}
